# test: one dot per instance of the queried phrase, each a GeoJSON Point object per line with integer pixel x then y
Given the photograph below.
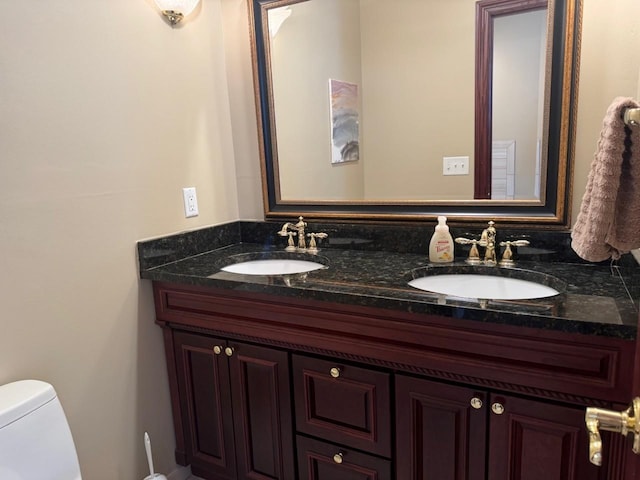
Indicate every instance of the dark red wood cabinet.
{"type": "Point", "coordinates": [235, 408]}
{"type": "Point", "coordinates": [274, 388]}
{"type": "Point", "coordinates": [531, 440]}
{"type": "Point", "coordinates": [439, 433]}
{"type": "Point", "coordinates": [343, 403]}
{"type": "Point", "coordinates": [459, 433]}
{"type": "Point", "coordinates": [318, 460]}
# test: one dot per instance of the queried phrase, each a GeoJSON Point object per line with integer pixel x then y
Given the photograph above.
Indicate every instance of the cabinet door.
{"type": "Point", "coordinates": [324, 461]}
{"type": "Point", "coordinates": [203, 383]}
{"type": "Point", "coordinates": [261, 412]}
{"type": "Point", "coordinates": [439, 434]}
{"type": "Point", "coordinates": [342, 403]}
{"type": "Point", "coordinates": [532, 440]}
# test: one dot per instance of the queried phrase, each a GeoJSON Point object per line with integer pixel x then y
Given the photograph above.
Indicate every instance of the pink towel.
{"type": "Point", "coordinates": [608, 224]}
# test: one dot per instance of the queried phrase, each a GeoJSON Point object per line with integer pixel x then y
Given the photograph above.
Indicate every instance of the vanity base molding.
{"type": "Point", "coordinates": [281, 350]}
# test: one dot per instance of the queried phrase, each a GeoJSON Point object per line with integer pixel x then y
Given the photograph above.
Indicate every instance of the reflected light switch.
{"type": "Point", "coordinates": [455, 165]}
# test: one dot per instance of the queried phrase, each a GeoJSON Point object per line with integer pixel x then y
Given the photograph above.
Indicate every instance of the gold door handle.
{"type": "Point", "coordinates": [228, 351]}
{"type": "Point", "coordinates": [476, 403]}
{"type": "Point", "coordinates": [624, 422]}
{"type": "Point", "coordinates": [217, 349]}
{"type": "Point", "coordinates": [334, 372]}
{"type": "Point", "coordinates": [338, 457]}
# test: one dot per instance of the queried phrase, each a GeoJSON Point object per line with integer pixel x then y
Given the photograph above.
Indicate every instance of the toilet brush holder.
{"type": "Point", "coordinates": [147, 447]}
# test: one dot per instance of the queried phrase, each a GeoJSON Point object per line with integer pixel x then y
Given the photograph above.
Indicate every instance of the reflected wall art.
{"type": "Point", "coordinates": [345, 130]}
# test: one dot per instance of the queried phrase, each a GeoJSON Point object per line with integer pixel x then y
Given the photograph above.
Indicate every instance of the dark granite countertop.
{"type": "Point", "coordinates": [594, 298]}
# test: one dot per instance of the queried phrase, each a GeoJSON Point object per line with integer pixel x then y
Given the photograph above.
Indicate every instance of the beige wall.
{"type": "Point", "coordinates": [402, 73]}
{"type": "Point", "coordinates": [609, 68]}
{"type": "Point", "coordinates": [301, 98]}
{"type": "Point", "coordinates": [106, 112]}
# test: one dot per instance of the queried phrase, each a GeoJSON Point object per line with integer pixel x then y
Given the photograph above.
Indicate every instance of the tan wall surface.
{"type": "Point", "coordinates": [106, 113]}
{"type": "Point", "coordinates": [242, 108]}
{"type": "Point", "coordinates": [417, 100]}
{"type": "Point", "coordinates": [331, 34]}
{"type": "Point", "coordinates": [609, 68]}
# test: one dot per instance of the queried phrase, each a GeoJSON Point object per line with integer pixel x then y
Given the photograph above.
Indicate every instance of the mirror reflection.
{"type": "Point", "coordinates": [413, 100]}
{"type": "Point", "coordinates": [392, 110]}
{"type": "Point", "coordinates": [519, 58]}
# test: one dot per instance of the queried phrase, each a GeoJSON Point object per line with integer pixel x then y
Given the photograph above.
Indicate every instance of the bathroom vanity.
{"type": "Point", "coordinates": [348, 373]}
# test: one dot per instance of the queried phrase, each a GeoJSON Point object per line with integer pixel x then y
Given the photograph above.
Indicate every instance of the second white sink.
{"type": "Point", "coordinates": [275, 266]}
{"type": "Point", "coordinates": [492, 287]}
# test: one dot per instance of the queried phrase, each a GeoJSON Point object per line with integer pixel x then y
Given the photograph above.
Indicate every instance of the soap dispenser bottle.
{"type": "Point", "coordinates": [441, 245]}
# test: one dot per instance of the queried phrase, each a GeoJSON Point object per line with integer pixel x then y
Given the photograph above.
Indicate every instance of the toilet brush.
{"type": "Point", "coordinates": [152, 475]}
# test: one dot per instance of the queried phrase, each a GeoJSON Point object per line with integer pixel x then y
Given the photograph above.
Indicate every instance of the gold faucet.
{"type": "Point", "coordinates": [298, 229]}
{"type": "Point", "coordinates": [300, 226]}
{"type": "Point", "coordinates": [489, 242]}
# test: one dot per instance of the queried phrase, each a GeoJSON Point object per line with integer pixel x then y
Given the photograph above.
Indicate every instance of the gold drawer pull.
{"type": "Point", "coordinates": [334, 372]}
{"type": "Point", "coordinates": [497, 408]}
{"type": "Point", "coordinates": [217, 349]}
{"type": "Point", "coordinates": [338, 457]}
{"type": "Point", "coordinates": [476, 403]}
{"type": "Point", "coordinates": [228, 351]}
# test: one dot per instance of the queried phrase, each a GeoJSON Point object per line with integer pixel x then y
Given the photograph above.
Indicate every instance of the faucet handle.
{"type": "Point", "coordinates": [507, 255]}
{"type": "Point", "coordinates": [312, 242]}
{"type": "Point", "coordinates": [515, 243]}
{"type": "Point", "coordinates": [474, 255]}
{"type": "Point", "coordinates": [291, 246]}
{"type": "Point", "coordinates": [283, 232]}
{"type": "Point", "coordinates": [465, 241]}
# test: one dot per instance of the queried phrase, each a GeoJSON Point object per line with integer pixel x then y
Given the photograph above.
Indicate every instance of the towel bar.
{"type": "Point", "coordinates": [632, 117]}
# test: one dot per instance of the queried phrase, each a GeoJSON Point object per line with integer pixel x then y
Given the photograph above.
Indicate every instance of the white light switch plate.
{"type": "Point", "coordinates": [455, 165]}
{"type": "Point", "coordinates": [190, 202]}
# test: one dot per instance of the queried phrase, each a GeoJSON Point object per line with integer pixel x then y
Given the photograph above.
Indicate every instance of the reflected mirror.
{"type": "Point", "coordinates": [396, 111]}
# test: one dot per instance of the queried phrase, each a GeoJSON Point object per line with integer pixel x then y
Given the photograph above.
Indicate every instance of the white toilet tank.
{"type": "Point", "coordinates": [35, 439]}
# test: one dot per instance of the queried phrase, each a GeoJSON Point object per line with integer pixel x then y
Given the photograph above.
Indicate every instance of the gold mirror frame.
{"type": "Point", "coordinates": [553, 212]}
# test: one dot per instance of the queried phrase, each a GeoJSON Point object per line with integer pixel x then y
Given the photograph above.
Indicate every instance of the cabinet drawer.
{"type": "Point", "coordinates": [342, 403]}
{"type": "Point", "coordinates": [323, 461]}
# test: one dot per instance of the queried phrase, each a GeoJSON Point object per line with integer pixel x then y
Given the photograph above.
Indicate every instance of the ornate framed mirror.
{"type": "Point", "coordinates": [405, 110]}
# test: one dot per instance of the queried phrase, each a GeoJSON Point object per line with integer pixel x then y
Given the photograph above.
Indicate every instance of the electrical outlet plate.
{"type": "Point", "coordinates": [455, 165]}
{"type": "Point", "coordinates": [190, 202]}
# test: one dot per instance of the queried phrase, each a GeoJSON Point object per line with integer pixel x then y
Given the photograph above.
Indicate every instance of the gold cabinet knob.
{"type": "Point", "coordinates": [335, 372]}
{"type": "Point", "coordinates": [497, 408]}
{"type": "Point", "coordinates": [476, 403]}
{"type": "Point", "coordinates": [217, 349]}
{"type": "Point", "coordinates": [228, 351]}
{"type": "Point", "coordinates": [338, 457]}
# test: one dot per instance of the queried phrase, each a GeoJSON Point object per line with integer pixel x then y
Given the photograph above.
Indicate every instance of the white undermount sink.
{"type": "Point", "coordinates": [489, 283]}
{"type": "Point", "coordinates": [275, 266]}
{"type": "Point", "coordinates": [483, 286]}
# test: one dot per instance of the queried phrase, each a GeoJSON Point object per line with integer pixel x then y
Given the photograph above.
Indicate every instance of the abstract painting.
{"type": "Point", "coordinates": [345, 146]}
